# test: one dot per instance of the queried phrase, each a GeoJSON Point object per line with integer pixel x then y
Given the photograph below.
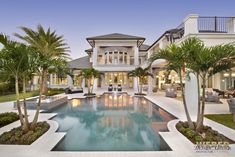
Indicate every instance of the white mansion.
{"type": "Point", "coordinates": [117, 54]}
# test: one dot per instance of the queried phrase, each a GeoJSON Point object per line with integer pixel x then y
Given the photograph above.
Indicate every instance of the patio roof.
{"type": "Point", "coordinates": [80, 63]}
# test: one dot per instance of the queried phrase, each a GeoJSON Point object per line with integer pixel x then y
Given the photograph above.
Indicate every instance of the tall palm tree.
{"type": "Point", "coordinates": [13, 61]}
{"type": "Point", "coordinates": [48, 44]}
{"type": "Point", "coordinates": [89, 74]}
{"type": "Point", "coordinates": [205, 62]}
{"type": "Point", "coordinates": [176, 61]}
{"type": "Point", "coordinates": [141, 74]}
{"type": "Point", "coordinates": [50, 48]}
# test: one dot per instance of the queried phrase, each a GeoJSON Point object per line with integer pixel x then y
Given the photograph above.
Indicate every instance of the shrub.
{"type": "Point", "coordinates": [7, 118]}
{"type": "Point", "coordinates": [198, 138]}
{"type": "Point", "coordinates": [17, 136]}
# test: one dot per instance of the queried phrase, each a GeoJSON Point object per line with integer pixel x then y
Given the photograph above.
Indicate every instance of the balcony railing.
{"type": "Point", "coordinates": [213, 24]}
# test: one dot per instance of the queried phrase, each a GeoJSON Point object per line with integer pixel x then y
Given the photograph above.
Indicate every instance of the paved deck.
{"type": "Point", "coordinates": [179, 144]}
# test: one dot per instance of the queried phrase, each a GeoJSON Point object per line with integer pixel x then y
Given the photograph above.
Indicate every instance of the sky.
{"type": "Point", "coordinates": [78, 19]}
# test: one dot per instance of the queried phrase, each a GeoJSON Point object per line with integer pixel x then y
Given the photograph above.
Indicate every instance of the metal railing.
{"type": "Point", "coordinates": [213, 24]}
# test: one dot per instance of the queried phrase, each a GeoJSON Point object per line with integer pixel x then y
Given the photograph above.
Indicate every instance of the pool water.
{"type": "Point", "coordinates": [111, 122]}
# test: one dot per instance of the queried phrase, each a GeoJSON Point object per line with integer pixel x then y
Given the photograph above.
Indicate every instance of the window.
{"type": "Point", "coordinates": [110, 57]}
{"type": "Point", "coordinates": [106, 58]}
{"type": "Point", "coordinates": [120, 57]}
{"type": "Point", "coordinates": [115, 57]}
{"type": "Point", "coordinates": [125, 58]}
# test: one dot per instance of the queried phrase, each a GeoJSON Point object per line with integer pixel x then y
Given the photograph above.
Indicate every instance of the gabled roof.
{"type": "Point", "coordinates": [143, 47]}
{"type": "Point", "coordinates": [116, 36]}
{"type": "Point", "coordinates": [80, 63]}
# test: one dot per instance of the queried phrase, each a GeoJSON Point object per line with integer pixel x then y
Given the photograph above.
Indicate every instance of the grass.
{"type": "Point", "coordinates": [225, 119]}
{"type": "Point", "coordinates": [12, 97]}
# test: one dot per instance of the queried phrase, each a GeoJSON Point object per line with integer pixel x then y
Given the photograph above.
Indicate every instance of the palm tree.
{"type": "Point", "coordinates": [141, 74]}
{"type": "Point", "coordinates": [176, 61]}
{"type": "Point", "coordinates": [89, 74]}
{"type": "Point", "coordinates": [13, 61]}
{"type": "Point", "coordinates": [50, 48]}
{"type": "Point", "coordinates": [205, 62]}
{"type": "Point", "coordinates": [48, 44]}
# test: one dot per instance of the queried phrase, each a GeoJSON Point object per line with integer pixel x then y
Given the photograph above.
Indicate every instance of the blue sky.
{"type": "Point", "coordinates": [78, 19]}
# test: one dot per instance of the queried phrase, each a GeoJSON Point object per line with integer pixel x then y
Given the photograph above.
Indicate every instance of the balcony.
{"type": "Point", "coordinates": [194, 24]}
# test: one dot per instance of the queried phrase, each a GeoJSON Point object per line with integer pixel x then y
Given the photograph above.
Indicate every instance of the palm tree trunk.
{"type": "Point", "coordinates": [25, 107]}
{"type": "Point", "coordinates": [34, 123]}
{"type": "Point", "coordinates": [141, 85]}
{"type": "Point", "coordinates": [184, 102]}
{"type": "Point", "coordinates": [199, 98]}
{"type": "Point", "coordinates": [18, 102]}
{"type": "Point", "coordinates": [201, 117]}
{"type": "Point", "coordinates": [45, 86]}
{"type": "Point", "coordinates": [88, 86]}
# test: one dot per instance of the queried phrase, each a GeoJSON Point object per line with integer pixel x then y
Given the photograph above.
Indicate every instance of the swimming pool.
{"type": "Point", "coordinates": [111, 122]}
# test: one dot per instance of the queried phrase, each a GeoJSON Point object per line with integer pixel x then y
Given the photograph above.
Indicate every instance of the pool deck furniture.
{"type": "Point", "coordinates": [231, 103]}
{"type": "Point", "coordinates": [212, 97]}
{"type": "Point", "coordinates": [74, 90]}
{"type": "Point", "coordinates": [220, 92]}
{"type": "Point", "coordinates": [171, 92]}
{"type": "Point", "coordinates": [119, 88]}
{"type": "Point", "coordinates": [110, 88]}
{"type": "Point", "coordinates": [47, 103]}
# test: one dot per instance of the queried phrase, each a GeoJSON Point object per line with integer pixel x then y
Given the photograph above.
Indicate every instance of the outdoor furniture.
{"type": "Point", "coordinates": [212, 97]}
{"type": "Point", "coordinates": [220, 92]}
{"type": "Point", "coordinates": [231, 103]}
{"type": "Point", "coordinates": [110, 88]}
{"type": "Point", "coordinates": [73, 90]}
{"type": "Point", "coordinates": [171, 92]}
{"type": "Point", "coordinates": [230, 93]}
{"type": "Point", "coordinates": [119, 88]}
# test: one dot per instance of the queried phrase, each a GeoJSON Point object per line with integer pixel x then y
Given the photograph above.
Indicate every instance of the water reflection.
{"type": "Point", "coordinates": [111, 122]}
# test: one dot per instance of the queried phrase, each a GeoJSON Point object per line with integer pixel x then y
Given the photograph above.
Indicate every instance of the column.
{"type": "Point", "coordinates": [70, 81]}
{"type": "Point", "coordinates": [191, 24]}
{"type": "Point", "coordinates": [150, 83]}
{"type": "Point", "coordinates": [128, 58]}
{"type": "Point", "coordinates": [135, 86]}
{"type": "Point", "coordinates": [94, 56]}
{"type": "Point", "coordinates": [102, 81]}
{"type": "Point", "coordinates": [94, 85]}
{"type": "Point", "coordinates": [83, 83]}
{"type": "Point", "coordinates": [136, 56]}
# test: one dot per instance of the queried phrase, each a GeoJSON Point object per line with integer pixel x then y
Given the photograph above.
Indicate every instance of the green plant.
{"type": "Point", "coordinates": [140, 73]}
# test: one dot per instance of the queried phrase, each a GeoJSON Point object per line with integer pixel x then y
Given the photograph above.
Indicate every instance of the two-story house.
{"type": "Point", "coordinates": [117, 54]}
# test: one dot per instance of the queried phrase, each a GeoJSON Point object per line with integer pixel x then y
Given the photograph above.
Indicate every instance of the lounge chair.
{"type": "Point", "coordinates": [171, 92]}
{"type": "Point", "coordinates": [110, 88]}
{"type": "Point", "coordinates": [70, 90]}
{"type": "Point", "coordinates": [212, 97]}
{"type": "Point", "coordinates": [119, 88]}
{"type": "Point", "coordinates": [220, 92]}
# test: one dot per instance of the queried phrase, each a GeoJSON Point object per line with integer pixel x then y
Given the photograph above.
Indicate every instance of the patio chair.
{"type": "Point", "coordinates": [119, 88]}
{"type": "Point", "coordinates": [231, 104]}
{"type": "Point", "coordinates": [212, 97]}
{"type": "Point", "coordinates": [73, 90]}
{"type": "Point", "coordinates": [171, 92]}
{"type": "Point", "coordinates": [220, 92]}
{"type": "Point", "coordinates": [110, 88]}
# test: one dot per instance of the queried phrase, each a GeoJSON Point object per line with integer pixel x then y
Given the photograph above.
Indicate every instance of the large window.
{"type": "Point", "coordinates": [59, 81]}
{"type": "Point", "coordinates": [116, 78]}
{"type": "Point", "coordinates": [114, 57]}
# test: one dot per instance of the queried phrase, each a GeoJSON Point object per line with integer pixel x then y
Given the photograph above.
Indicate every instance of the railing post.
{"type": "Point", "coordinates": [215, 24]}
